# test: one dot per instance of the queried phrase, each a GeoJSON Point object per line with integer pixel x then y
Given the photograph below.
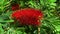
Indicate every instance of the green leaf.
{"type": "Point", "coordinates": [4, 4]}
{"type": "Point", "coordinates": [52, 0]}
{"type": "Point", "coordinates": [19, 32]}
{"type": "Point", "coordinates": [6, 20]}
{"type": "Point", "coordinates": [1, 29]}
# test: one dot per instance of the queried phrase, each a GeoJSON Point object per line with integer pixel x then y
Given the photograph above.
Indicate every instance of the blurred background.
{"type": "Point", "coordinates": [50, 22]}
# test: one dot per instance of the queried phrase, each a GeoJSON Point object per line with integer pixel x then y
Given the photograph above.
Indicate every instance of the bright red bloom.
{"type": "Point", "coordinates": [15, 6]}
{"type": "Point", "coordinates": [28, 16]}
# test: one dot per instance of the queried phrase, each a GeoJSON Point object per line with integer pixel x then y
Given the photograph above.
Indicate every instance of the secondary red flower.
{"type": "Point", "coordinates": [15, 6]}
{"type": "Point", "coordinates": [28, 16]}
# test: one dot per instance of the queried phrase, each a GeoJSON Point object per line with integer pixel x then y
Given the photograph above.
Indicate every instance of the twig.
{"type": "Point", "coordinates": [38, 30]}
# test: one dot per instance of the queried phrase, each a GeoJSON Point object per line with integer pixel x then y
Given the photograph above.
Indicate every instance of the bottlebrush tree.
{"type": "Point", "coordinates": [29, 17]}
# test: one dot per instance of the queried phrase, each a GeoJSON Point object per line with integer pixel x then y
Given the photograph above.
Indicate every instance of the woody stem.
{"type": "Point", "coordinates": [38, 30]}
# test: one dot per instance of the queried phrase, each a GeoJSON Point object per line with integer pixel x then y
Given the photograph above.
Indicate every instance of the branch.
{"type": "Point", "coordinates": [38, 30]}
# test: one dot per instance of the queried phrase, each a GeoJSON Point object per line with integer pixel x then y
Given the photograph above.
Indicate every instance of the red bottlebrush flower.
{"type": "Point", "coordinates": [28, 16]}
{"type": "Point", "coordinates": [15, 6]}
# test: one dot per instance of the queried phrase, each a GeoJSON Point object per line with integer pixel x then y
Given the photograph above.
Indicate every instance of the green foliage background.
{"type": "Point", "coordinates": [50, 22]}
